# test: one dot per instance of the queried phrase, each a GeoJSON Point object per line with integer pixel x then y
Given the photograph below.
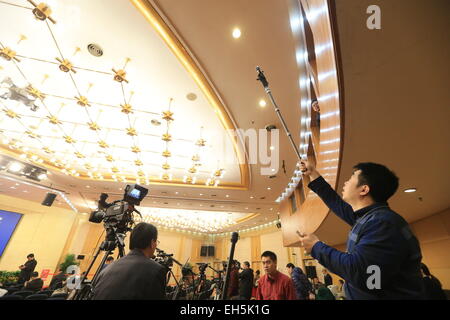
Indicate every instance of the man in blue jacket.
{"type": "Point", "coordinates": [301, 283]}
{"type": "Point", "coordinates": [383, 256]}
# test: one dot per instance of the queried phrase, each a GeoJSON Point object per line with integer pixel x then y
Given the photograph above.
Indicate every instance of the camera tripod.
{"type": "Point", "coordinates": [114, 239]}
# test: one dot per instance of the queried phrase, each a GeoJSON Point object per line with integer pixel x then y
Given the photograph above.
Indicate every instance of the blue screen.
{"type": "Point", "coordinates": [8, 222]}
{"type": "Point", "coordinates": [135, 193]}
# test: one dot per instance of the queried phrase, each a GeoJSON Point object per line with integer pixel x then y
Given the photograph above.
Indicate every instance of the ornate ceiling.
{"type": "Point", "coordinates": [85, 95]}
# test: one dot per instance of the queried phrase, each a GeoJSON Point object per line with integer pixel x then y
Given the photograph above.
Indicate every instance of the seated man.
{"type": "Point", "coordinates": [35, 283]}
{"type": "Point", "coordinates": [274, 285]}
{"type": "Point", "coordinates": [135, 276]}
{"type": "Point", "coordinates": [57, 280]}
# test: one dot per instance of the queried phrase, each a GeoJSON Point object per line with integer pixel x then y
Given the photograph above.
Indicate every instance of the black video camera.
{"type": "Point", "coordinates": [119, 213]}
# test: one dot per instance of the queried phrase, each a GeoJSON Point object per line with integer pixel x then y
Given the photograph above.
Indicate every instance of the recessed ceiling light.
{"type": "Point", "coordinates": [409, 190]}
{"type": "Point", "coordinates": [262, 103]}
{"type": "Point", "coordinates": [176, 192]}
{"type": "Point", "coordinates": [251, 197]}
{"type": "Point", "coordinates": [236, 33]}
{"type": "Point", "coordinates": [269, 188]}
{"type": "Point", "coordinates": [227, 196]}
{"type": "Point", "coordinates": [201, 194]}
{"type": "Point", "coordinates": [272, 148]}
{"type": "Point", "coordinates": [89, 187]}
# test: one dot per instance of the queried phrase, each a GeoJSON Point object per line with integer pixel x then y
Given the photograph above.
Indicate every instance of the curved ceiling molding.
{"type": "Point", "coordinates": [321, 126]}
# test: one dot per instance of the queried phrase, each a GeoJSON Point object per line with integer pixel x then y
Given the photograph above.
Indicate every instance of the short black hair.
{"type": "Point", "coordinates": [247, 263]}
{"type": "Point", "coordinates": [290, 265]}
{"type": "Point", "coordinates": [383, 183]}
{"type": "Point", "coordinates": [31, 255]}
{"type": "Point", "coordinates": [142, 235]}
{"type": "Point", "coordinates": [109, 258]}
{"type": "Point", "coordinates": [269, 254]}
{"type": "Point", "coordinates": [35, 274]}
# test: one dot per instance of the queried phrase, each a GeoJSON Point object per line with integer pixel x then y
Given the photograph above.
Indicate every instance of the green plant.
{"type": "Point", "coordinates": [69, 260]}
{"type": "Point", "coordinates": [9, 276]}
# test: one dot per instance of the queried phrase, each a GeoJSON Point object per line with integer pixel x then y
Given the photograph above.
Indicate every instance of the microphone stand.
{"type": "Point", "coordinates": [234, 239]}
{"type": "Point", "coordinates": [265, 83]}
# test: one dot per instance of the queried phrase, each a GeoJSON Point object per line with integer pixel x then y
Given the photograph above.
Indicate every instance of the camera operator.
{"type": "Point", "coordinates": [135, 276]}
{"type": "Point", "coordinates": [246, 282]}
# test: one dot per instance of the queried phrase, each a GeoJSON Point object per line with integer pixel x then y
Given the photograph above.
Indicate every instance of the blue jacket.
{"type": "Point", "coordinates": [301, 283]}
{"type": "Point", "coordinates": [379, 237]}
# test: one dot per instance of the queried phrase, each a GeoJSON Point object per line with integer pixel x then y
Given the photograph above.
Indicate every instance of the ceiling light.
{"type": "Point", "coordinates": [272, 148]}
{"type": "Point", "coordinates": [262, 103]}
{"type": "Point", "coordinates": [15, 167]}
{"type": "Point", "coordinates": [236, 33]}
{"type": "Point", "coordinates": [227, 196]}
{"type": "Point", "coordinates": [410, 190]}
{"type": "Point", "coordinates": [42, 176]}
{"type": "Point", "coordinates": [269, 188]}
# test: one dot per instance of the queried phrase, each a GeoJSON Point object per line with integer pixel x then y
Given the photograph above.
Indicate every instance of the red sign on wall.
{"type": "Point", "coordinates": [44, 274]}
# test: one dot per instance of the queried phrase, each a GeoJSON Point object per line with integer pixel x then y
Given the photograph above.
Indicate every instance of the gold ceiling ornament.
{"type": "Point", "coordinates": [131, 132]}
{"type": "Point", "coordinates": [135, 149]}
{"type": "Point", "coordinates": [93, 126]}
{"type": "Point", "coordinates": [88, 166]}
{"type": "Point", "coordinates": [69, 139]}
{"type": "Point", "coordinates": [103, 144]}
{"type": "Point", "coordinates": [48, 150]}
{"type": "Point", "coordinates": [42, 11]}
{"type": "Point", "coordinates": [141, 173]}
{"type": "Point", "coordinates": [82, 101]}
{"type": "Point", "coordinates": [120, 75]}
{"type": "Point", "coordinates": [79, 155]}
{"type": "Point", "coordinates": [22, 37]}
{"type": "Point", "coordinates": [32, 134]}
{"type": "Point", "coordinates": [195, 158]}
{"type": "Point", "coordinates": [65, 65]}
{"type": "Point", "coordinates": [190, 179]}
{"type": "Point", "coordinates": [167, 115]}
{"type": "Point", "coordinates": [166, 154]}
{"type": "Point", "coordinates": [166, 166]}
{"type": "Point", "coordinates": [8, 54]}
{"type": "Point", "coordinates": [109, 158]}
{"type": "Point", "coordinates": [219, 173]}
{"type": "Point", "coordinates": [115, 170]}
{"type": "Point", "coordinates": [166, 137]}
{"type": "Point", "coordinates": [53, 120]}
{"type": "Point", "coordinates": [138, 163]}
{"type": "Point", "coordinates": [46, 76]}
{"type": "Point", "coordinates": [201, 142]}
{"type": "Point", "coordinates": [35, 92]}
{"type": "Point", "coordinates": [192, 170]}
{"type": "Point", "coordinates": [165, 176]}
{"type": "Point", "coordinates": [11, 114]}
{"type": "Point", "coordinates": [126, 108]}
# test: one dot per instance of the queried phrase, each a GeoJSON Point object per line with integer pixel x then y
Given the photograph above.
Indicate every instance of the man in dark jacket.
{"type": "Point", "coordinates": [35, 283]}
{"type": "Point", "coordinates": [327, 278]}
{"type": "Point", "coordinates": [246, 281]}
{"type": "Point", "coordinates": [135, 276]}
{"type": "Point", "coordinates": [301, 283]}
{"type": "Point", "coordinates": [383, 256]}
{"type": "Point", "coordinates": [27, 269]}
{"type": "Point", "coordinates": [57, 280]}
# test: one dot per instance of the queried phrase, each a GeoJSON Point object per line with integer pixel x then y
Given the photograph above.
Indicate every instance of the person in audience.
{"type": "Point", "coordinates": [57, 280]}
{"type": "Point", "coordinates": [274, 285]}
{"type": "Point", "coordinates": [233, 287]}
{"type": "Point", "coordinates": [255, 283]}
{"type": "Point", "coordinates": [301, 283]}
{"type": "Point", "coordinates": [327, 278]}
{"type": "Point", "coordinates": [135, 276]}
{"type": "Point", "coordinates": [35, 283]}
{"type": "Point", "coordinates": [27, 269]}
{"type": "Point", "coordinates": [316, 284]}
{"type": "Point", "coordinates": [323, 293]}
{"type": "Point", "coordinates": [380, 237]}
{"type": "Point", "coordinates": [433, 287]}
{"type": "Point", "coordinates": [246, 281]}
{"type": "Point", "coordinates": [108, 261]}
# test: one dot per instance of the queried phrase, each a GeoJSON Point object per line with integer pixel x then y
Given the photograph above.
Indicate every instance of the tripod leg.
{"type": "Point", "coordinates": [78, 295]}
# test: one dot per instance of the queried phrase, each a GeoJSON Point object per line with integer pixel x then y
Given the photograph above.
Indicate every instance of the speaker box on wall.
{"type": "Point", "coordinates": [204, 251]}
{"type": "Point", "coordinates": [211, 251]}
{"type": "Point", "coordinates": [49, 198]}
